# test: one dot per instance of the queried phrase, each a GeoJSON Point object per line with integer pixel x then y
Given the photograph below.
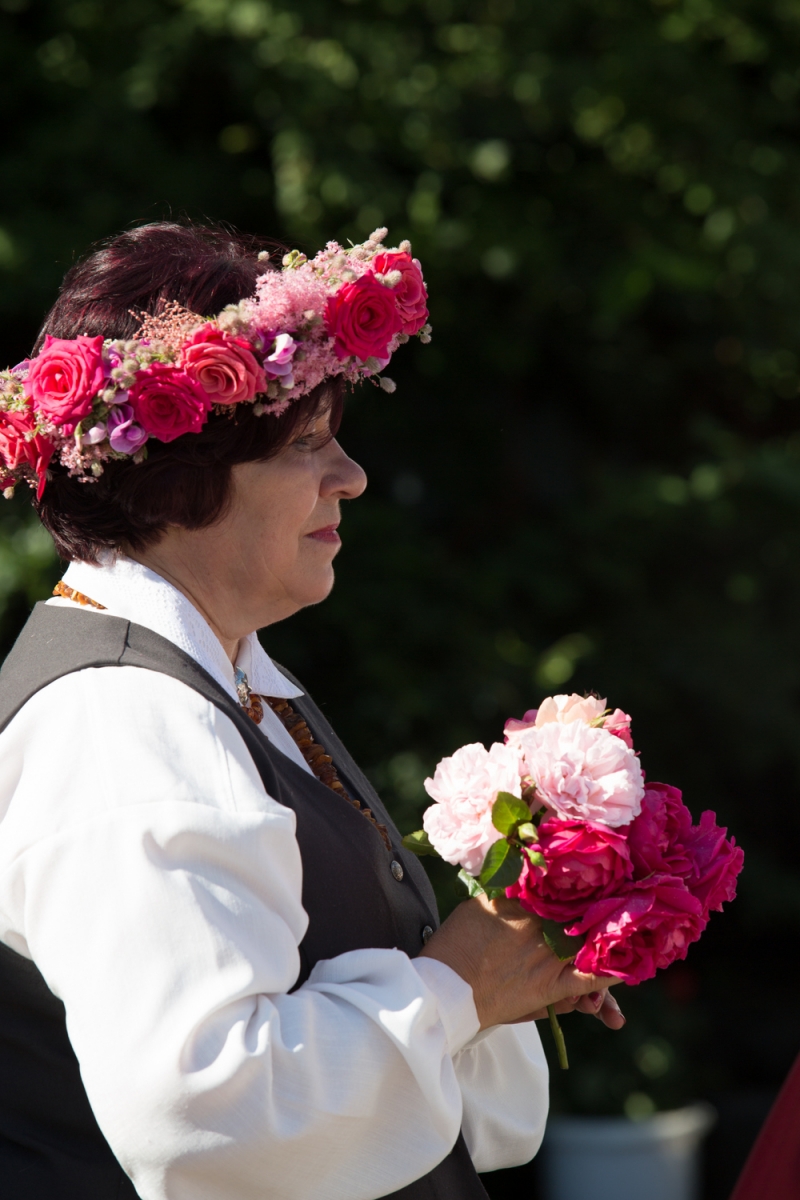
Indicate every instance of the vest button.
{"type": "Point", "coordinates": [427, 934]}
{"type": "Point", "coordinates": [397, 870]}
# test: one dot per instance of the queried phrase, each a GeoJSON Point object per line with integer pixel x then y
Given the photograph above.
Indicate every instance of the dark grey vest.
{"type": "Point", "coordinates": [51, 1147]}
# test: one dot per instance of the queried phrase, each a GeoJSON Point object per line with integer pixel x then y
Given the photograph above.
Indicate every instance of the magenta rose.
{"type": "Point", "coordinates": [17, 450]}
{"type": "Point", "coordinates": [715, 863]}
{"type": "Point", "coordinates": [363, 318]}
{"type": "Point", "coordinates": [657, 837]}
{"type": "Point", "coordinates": [635, 935]}
{"type": "Point", "coordinates": [410, 293]}
{"type": "Point", "coordinates": [223, 365]}
{"type": "Point", "coordinates": [167, 402]}
{"type": "Point", "coordinates": [64, 378]}
{"type": "Point", "coordinates": [585, 861]}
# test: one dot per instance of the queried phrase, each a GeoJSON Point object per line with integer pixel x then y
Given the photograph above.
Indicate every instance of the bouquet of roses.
{"type": "Point", "coordinates": [560, 817]}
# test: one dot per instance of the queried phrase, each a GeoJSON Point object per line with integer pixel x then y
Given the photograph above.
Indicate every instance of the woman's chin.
{"type": "Point", "coordinates": [314, 591]}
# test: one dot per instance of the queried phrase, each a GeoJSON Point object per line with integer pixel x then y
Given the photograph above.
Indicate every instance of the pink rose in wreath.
{"type": "Point", "coordinates": [635, 935]}
{"type": "Point", "coordinates": [18, 448]}
{"type": "Point", "coordinates": [410, 293]}
{"type": "Point", "coordinates": [223, 365]}
{"type": "Point", "coordinates": [167, 402]}
{"type": "Point", "coordinates": [584, 862]}
{"type": "Point", "coordinates": [64, 378]}
{"type": "Point", "coordinates": [363, 318]}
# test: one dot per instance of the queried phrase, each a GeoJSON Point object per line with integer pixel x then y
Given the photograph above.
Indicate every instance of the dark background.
{"type": "Point", "coordinates": [591, 478]}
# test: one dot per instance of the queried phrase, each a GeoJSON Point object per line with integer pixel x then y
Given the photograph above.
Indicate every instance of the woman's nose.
{"type": "Point", "coordinates": [344, 478]}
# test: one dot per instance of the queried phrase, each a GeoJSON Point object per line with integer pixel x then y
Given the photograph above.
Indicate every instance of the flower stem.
{"type": "Point", "coordinates": [558, 1036]}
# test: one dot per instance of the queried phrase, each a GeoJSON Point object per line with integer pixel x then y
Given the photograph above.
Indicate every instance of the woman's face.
{"type": "Point", "coordinates": [272, 552]}
{"type": "Point", "coordinates": [280, 532]}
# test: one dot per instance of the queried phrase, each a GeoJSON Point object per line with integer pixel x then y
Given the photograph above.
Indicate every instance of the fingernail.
{"type": "Point", "coordinates": [596, 998]}
{"type": "Point", "coordinates": [574, 999]}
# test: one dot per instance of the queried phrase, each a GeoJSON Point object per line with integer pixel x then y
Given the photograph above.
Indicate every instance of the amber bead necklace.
{"type": "Point", "coordinates": [314, 754]}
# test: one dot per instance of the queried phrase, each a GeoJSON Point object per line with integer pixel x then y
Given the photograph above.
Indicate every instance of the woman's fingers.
{"type": "Point", "coordinates": [596, 1004]}
{"type": "Point", "coordinates": [610, 1013]}
{"type": "Point", "coordinates": [603, 1006]}
{"type": "Point", "coordinates": [578, 983]}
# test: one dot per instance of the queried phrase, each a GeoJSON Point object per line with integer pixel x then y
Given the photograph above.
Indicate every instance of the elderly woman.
{"type": "Point", "coordinates": [221, 976]}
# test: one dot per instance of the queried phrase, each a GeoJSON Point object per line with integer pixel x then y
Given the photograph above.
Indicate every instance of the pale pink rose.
{"type": "Point", "coordinates": [566, 709]}
{"type": "Point", "coordinates": [637, 934]}
{"type": "Point", "coordinates": [167, 402]}
{"type": "Point", "coordinates": [362, 317]}
{"type": "Point", "coordinates": [584, 862]}
{"type": "Point", "coordinates": [410, 292]}
{"type": "Point", "coordinates": [581, 771]}
{"type": "Point", "coordinates": [223, 365]}
{"type": "Point", "coordinates": [465, 787]}
{"type": "Point", "coordinates": [64, 378]}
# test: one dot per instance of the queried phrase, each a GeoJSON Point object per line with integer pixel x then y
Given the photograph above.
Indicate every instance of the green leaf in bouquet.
{"type": "Point", "coordinates": [508, 811]}
{"type": "Point", "coordinates": [501, 867]}
{"type": "Point", "coordinates": [563, 947]}
{"type": "Point", "coordinates": [471, 884]}
{"type": "Point", "coordinates": [419, 844]}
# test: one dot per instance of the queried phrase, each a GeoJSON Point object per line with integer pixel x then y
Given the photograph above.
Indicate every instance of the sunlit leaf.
{"type": "Point", "coordinates": [419, 844]}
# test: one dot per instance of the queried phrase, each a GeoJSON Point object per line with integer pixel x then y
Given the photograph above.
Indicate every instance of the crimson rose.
{"type": "Point", "coordinates": [585, 861]}
{"type": "Point", "coordinates": [167, 402]}
{"type": "Point", "coordinates": [17, 450]}
{"type": "Point", "coordinates": [363, 318]}
{"type": "Point", "coordinates": [637, 934]}
{"type": "Point", "coordinates": [657, 837]}
{"type": "Point", "coordinates": [715, 863]}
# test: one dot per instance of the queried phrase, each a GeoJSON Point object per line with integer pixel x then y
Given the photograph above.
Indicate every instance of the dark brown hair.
{"type": "Point", "coordinates": [186, 482]}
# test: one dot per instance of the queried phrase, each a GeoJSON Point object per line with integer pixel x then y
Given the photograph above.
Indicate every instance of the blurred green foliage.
{"type": "Point", "coordinates": [591, 479]}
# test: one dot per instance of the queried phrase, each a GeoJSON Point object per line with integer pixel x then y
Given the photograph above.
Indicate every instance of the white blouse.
{"type": "Point", "coordinates": [157, 886]}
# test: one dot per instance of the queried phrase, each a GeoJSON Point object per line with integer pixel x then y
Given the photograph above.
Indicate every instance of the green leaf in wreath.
{"type": "Point", "coordinates": [508, 812]}
{"type": "Point", "coordinates": [502, 866]}
{"type": "Point", "coordinates": [563, 947]}
{"type": "Point", "coordinates": [471, 883]}
{"type": "Point", "coordinates": [419, 844]}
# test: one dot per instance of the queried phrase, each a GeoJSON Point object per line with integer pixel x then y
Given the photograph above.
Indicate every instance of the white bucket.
{"type": "Point", "coordinates": [615, 1158]}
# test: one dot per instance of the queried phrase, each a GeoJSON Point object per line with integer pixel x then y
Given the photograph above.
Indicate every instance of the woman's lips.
{"type": "Point", "coordinates": [328, 533]}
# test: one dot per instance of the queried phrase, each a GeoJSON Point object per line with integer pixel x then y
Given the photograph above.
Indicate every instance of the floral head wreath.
{"type": "Point", "coordinates": [87, 400]}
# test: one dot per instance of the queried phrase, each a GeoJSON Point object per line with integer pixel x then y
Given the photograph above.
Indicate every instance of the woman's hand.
{"type": "Point", "coordinates": [499, 950]}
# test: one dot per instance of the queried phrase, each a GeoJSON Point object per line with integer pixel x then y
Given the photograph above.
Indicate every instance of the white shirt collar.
{"type": "Point", "coordinates": [127, 589]}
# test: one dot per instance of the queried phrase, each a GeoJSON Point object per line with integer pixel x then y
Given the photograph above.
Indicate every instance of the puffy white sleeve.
{"type": "Point", "coordinates": [158, 889]}
{"type": "Point", "coordinates": [503, 1077]}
